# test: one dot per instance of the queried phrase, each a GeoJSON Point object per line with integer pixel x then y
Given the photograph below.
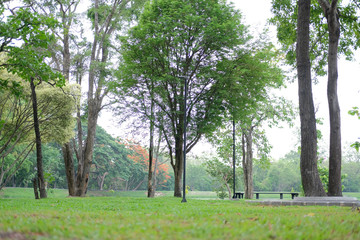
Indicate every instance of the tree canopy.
{"type": "Point", "coordinates": [200, 44]}
{"type": "Point", "coordinates": [25, 37]}
{"type": "Point", "coordinates": [285, 19]}
{"type": "Point", "coordinates": [55, 107]}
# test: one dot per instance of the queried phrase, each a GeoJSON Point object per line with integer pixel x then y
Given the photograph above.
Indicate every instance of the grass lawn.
{"type": "Point", "coordinates": [130, 217]}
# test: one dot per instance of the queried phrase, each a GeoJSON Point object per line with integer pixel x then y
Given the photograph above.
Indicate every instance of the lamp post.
{"type": "Point", "coordinates": [234, 196]}
{"type": "Point", "coordinates": [184, 148]}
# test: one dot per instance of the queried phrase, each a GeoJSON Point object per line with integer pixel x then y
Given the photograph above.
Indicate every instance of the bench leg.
{"type": "Point", "coordinates": [281, 196]}
{"type": "Point", "coordinates": [293, 195]}
{"type": "Point", "coordinates": [257, 195]}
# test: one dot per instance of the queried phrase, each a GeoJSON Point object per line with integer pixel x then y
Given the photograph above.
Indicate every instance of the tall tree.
{"type": "Point", "coordinates": [55, 108]}
{"type": "Point", "coordinates": [334, 30]}
{"type": "Point", "coordinates": [308, 161]}
{"type": "Point", "coordinates": [107, 19]}
{"type": "Point", "coordinates": [331, 13]}
{"type": "Point", "coordinates": [174, 42]}
{"type": "Point", "coordinates": [39, 161]}
{"type": "Point", "coordinates": [29, 60]}
{"type": "Point", "coordinates": [65, 11]}
{"type": "Point", "coordinates": [252, 142]}
{"type": "Point", "coordinates": [249, 104]}
{"type": "Point", "coordinates": [270, 112]}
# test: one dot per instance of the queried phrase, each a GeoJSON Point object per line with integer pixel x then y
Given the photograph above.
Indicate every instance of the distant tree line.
{"type": "Point", "coordinates": [120, 168]}
{"type": "Point", "coordinates": [117, 165]}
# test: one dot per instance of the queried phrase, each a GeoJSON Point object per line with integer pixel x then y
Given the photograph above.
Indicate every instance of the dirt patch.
{"type": "Point", "coordinates": [159, 194]}
{"type": "Point", "coordinates": [13, 235]}
{"type": "Point", "coordinates": [20, 236]}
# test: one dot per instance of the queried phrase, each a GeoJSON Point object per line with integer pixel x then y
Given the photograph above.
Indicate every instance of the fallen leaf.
{"type": "Point", "coordinates": [310, 215]}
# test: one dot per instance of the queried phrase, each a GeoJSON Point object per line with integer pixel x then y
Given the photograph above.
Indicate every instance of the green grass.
{"type": "Point", "coordinates": [352, 194]}
{"type": "Point", "coordinates": [29, 193]}
{"type": "Point", "coordinates": [62, 193]}
{"type": "Point", "coordinates": [129, 217]}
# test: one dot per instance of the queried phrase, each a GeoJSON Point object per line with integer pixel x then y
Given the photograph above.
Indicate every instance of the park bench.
{"type": "Point", "coordinates": [293, 194]}
{"type": "Point", "coordinates": [257, 194]}
{"type": "Point", "coordinates": [238, 195]}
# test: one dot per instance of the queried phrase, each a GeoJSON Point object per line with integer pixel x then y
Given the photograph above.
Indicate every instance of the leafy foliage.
{"type": "Point", "coordinates": [55, 107]}
{"type": "Point", "coordinates": [222, 174]}
{"type": "Point", "coordinates": [25, 37]}
{"type": "Point", "coordinates": [285, 19]}
{"type": "Point", "coordinates": [355, 112]}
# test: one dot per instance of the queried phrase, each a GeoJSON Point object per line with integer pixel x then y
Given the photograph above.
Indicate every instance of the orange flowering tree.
{"type": "Point", "coordinates": [140, 158]}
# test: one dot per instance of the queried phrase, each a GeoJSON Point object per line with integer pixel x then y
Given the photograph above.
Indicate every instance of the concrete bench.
{"type": "Point", "coordinates": [293, 194]}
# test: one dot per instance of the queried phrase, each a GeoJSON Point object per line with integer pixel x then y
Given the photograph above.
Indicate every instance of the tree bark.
{"type": "Point", "coordinates": [66, 148]}
{"type": "Point", "coordinates": [156, 162]}
{"type": "Point", "coordinates": [69, 168]}
{"type": "Point", "coordinates": [39, 163]}
{"type": "Point", "coordinates": [331, 13]}
{"type": "Point", "coordinates": [225, 178]}
{"type": "Point", "coordinates": [35, 184]}
{"type": "Point", "coordinates": [308, 161]}
{"type": "Point", "coordinates": [139, 184]}
{"type": "Point", "coordinates": [248, 164]}
{"type": "Point", "coordinates": [178, 167]}
{"type": "Point", "coordinates": [102, 180]}
{"type": "Point", "coordinates": [82, 178]}
{"type": "Point", "coordinates": [151, 192]}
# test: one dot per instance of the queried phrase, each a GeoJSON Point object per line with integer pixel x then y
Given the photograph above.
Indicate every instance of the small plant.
{"type": "Point", "coordinates": [49, 179]}
{"type": "Point", "coordinates": [187, 189]}
{"type": "Point", "coordinates": [221, 193]}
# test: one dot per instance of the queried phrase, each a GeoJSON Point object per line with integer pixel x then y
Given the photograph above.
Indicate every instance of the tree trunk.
{"type": "Point", "coordinates": [335, 188]}
{"type": "Point", "coordinates": [66, 148]}
{"type": "Point", "coordinates": [102, 180]}
{"type": "Point", "coordinates": [308, 161]}
{"type": "Point", "coordinates": [139, 184]}
{"type": "Point", "coordinates": [69, 168]}
{"type": "Point", "coordinates": [247, 163]}
{"type": "Point", "coordinates": [225, 178]}
{"type": "Point", "coordinates": [82, 178]}
{"type": "Point", "coordinates": [127, 186]}
{"type": "Point", "coordinates": [2, 173]}
{"type": "Point", "coordinates": [151, 192]}
{"type": "Point", "coordinates": [178, 167]}
{"type": "Point", "coordinates": [248, 183]}
{"type": "Point", "coordinates": [35, 184]}
{"type": "Point", "coordinates": [40, 172]}
{"type": "Point", "coordinates": [156, 162]}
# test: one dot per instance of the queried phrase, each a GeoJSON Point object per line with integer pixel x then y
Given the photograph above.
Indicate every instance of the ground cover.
{"type": "Point", "coordinates": [168, 218]}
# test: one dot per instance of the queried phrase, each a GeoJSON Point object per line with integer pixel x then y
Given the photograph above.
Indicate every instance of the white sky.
{"type": "Point", "coordinates": [256, 12]}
